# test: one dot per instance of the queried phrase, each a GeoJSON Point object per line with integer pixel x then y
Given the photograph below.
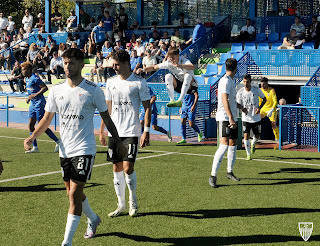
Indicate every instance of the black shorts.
{"type": "Point", "coordinates": [247, 126]}
{"type": "Point", "coordinates": [227, 132]}
{"type": "Point", "coordinates": [191, 90]}
{"type": "Point", "coordinates": [77, 168]}
{"type": "Point", "coordinates": [131, 143]}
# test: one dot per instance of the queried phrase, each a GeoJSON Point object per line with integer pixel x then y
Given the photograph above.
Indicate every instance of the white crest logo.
{"type": "Point", "coordinates": [305, 229]}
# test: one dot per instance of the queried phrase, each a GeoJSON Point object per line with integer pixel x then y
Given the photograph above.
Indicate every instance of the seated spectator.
{"type": "Point", "coordinates": [129, 48]}
{"type": "Point", "coordinates": [61, 29]}
{"type": "Point", "coordinates": [28, 32]}
{"type": "Point", "coordinates": [33, 51]}
{"type": "Point", "coordinates": [148, 61]}
{"type": "Point", "coordinates": [165, 38]}
{"type": "Point", "coordinates": [57, 18]}
{"type": "Point", "coordinates": [69, 40]}
{"type": "Point", "coordinates": [5, 36]}
{"type": "Point", "coordinates": [139, 48]}
{"type": "Point", "coordinates": [98, 68]}
{"type": "Point", "coordinates": [17, 78]}
{"type": "Point", "coordinates": [84, 18]}
{"type": "Point", "coordinates": [79, 28]}
{"type": "Point", "coordinates": [62, 48]}
{"type": "Point", "coordinates": [42, 30]}
{"type": "Point", "coordinates": [41, 42]}
{"type": "Point", "coordinates": [162, 51]}
{"type": "Point", "coordinates": [20, 49]}
{"type": "Point", "coordinates": [135, 26]}
{"type": "Point", "coordinates": [292, 10]}
{"type": "Point", "coordinates": [106, 49]}
{"type": "Point", "coordinates": [108, 24]}
{"type": "Point", "coordinates": [11, 26]}
{"type": "Point", "coordinates": [5, 57]}
{"type": "Point", "coordinates": [176, 37]}
{"type": "Point", "coordinates": [153, 47]}
{"type": "Point", "coordinates": [299, 27]}
{"type": "Point", "coordinates": [56, 67]}
{"type": "Point", "coordinates": [120, 35]}
{"type": "Point", "coordinates": [21, 31]}
{"type": "Point", "coordinates": [27, 20]}
{"type": "Point", "coordinates": [155, 35]}
{"type": "Point", "coordinates": [133, 39]}
{"type": "Point", "coordinates": [292, 41]}
{"type": "Point", "coordinates": [78, 41]}
{"type": "Point", "coordinates": [118, 45]}
{"type": "Point", "coordinates": [3, 22]}
{"type": "Point", "coordinates": [135, 61]}
{"type": "Point", "coordinates": [71, 21]}
{"type": "Point", "coordinates": [98, 35]}
{"type": "Point", "coordinates": [49, 41]}
{"type": "Point", "coordinates": [123, 20]}
{"type": "Point", "coordinates": [314, 32]}
{"type": "Point", "coordinates": [40, 22]}
{"type": "Point", "coordinates": [54, 48]}
{"type": "Point", "coordinates": [247, 32]}
{"type": "Point", "coordinates": [144, 39]}
{"type": "Point", "coordinates": [39, 64]}
{"type": "Point", "coordinates": [74, 45]}
{"type": "Point", "coordinates": [173, 44]}
{"type": "Point", "coordinates": [108, 67]}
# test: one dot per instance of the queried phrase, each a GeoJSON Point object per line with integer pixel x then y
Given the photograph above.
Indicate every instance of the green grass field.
{"type": "Point", "coordinates": [277, 190]}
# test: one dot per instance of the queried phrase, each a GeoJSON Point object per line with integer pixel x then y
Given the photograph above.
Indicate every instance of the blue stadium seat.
{"type": "Point", "coordinates": [213, 80]}
{"type": "Point", "coordinates": [308, 46]}
{"type": "Point", "coordinates": [263, 46]}
{"type": "Point", "coordinates": [223, 71]}
{"type": "Point", "coordinates": [261, 37]}
{"type": "Point", "coordinates": [236, 47]}
{"type": "Point", "coordinates": [200, 80]}
{"type": "Point", "coordinates": [237, 56]}
{"type": "Point", "coordinates": [249, 46]}
{"type": "Point", "coordinates": [212, 69]}
{"type": "Point", "coordinates": [273, 37]}
{"type": "Point", "coordinates": [282, 35]}
{"type": "Point", "coordinates": [275, 46]}
{"type": "Point", "coordinates": [223, 58]}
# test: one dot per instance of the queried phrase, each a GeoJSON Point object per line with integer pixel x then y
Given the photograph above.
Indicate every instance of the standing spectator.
{"type": "Point", "coordinates": [91, 25]}
{"type": "Point", "coordinates": [57, 18]}
{"type": "Point", "coordinates": [106, 49]}
{"type": "Point", "coordinates": [299, 27]}
{"type": "Point", "coordinates": [11, 25]}
{"type": "Point", "coordinates": [108, 7]}
{"type": "Point", "coordinates": [98, 35]}
{"type": "Point", "coordinates": [314, 32]}
{"type": "Point", "coordinates": [135, 62]}
{"type": "Point", "coordinates": [17, 78]}
{"type": "Point", "coordinates": [27, 20]}
{"type": "Point", "coordinates": [123, 20]}
{"type": "Point", "coordinates": [84, 18]}
{"type": "Point", "coordinates": [5, 57]}
{"type": "Point", "coordinates": [181, 21]}
{"type": "Point", "coordinates": [3, 22]}
{"type": "Point", "coordinates": [108, 24]}
{"type": "Point", "coordinates": [40, 22]}
{"type": "Point", "coordinates": [199, 31]}
{"type": "Point", "coordinates": [56, 67]}
{"type": "Point", "coordinates": [41, 42]}
{"type": "Point", "coordinates": [98, 67]}
{"type": "Point", "coordinates": [71, 21]}
{"type": "Point", "coordinates": [248, 32]}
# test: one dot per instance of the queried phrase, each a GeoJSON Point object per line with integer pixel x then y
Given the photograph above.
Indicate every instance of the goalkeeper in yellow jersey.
{"type": "Point", "coordinates": [269, 109]}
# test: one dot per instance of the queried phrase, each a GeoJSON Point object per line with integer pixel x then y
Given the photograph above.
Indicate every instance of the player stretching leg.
{"type": "Point", "coordinates": [35, 89]}
{"type": "Point", "coordinates": [154, 117]}
{"type": "Point", "coordinates": [180, 76]}
{"type": "Point", "coordinates": [248, 98]}
{"type": "Point", "coordinates": [188, 110]}
{"type": "Point", "coordinates": [76, 101]}
{"type": "Point", "coordinates": [124, 94]}
{"type": "Point", "coordinates": [270, 108]}
{"type": "Point", "coordinates": [226, 117]}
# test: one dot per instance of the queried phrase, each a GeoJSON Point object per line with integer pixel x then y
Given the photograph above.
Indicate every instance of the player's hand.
{"type": "Point", "coordinates": [232, 124]}
{"type": "Point", "coordinates": [144, 140]}
{"type": "Point", "coordinates": [1, 167]}
{"type": "Point", "coordinates": [102, 139]}
{"type": "Point", "coordinates": [27, 143]}
{"type": "Point", "coordinates": [270, 113]}
{"type": "Point", "coordinates": [30, 97]}
{"type": "Point", "coordinates": [257, 111]}
{"type": "Point", "coordinates": [192, 108]}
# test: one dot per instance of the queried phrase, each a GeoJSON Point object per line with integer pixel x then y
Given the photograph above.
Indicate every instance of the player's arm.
{"type": "Point", "coordinates": [196, 98]}
{"type": "Point", "coordinates": [264, 100]}
{"type": "Point", "coordinates": [43, 89]}
{"type": "Point", "coordinates": [147, 119]}
{"type": "Point", "coordinates": [153, 99]}
{"type": "Point", "coordinates": [151, 68]}
{"type": "Point", "coordinates": [188, 66]}
{"type": "Point", "coordinates": [243, 109]}
{"type": "Point", "coordinates": [225, 102]}
{"type": "Point", "coordinates": [102, 137]}
{"type": "Point", "coordinates": [41, 128]}
{"type": "Point", "coordinates": [274, 99]}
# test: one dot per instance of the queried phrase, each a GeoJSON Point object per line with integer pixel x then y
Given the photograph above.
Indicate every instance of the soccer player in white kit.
{"type": "Point", "coordinates": [226, 117]}
{"type": "Point", "coordinates": [180, 77]}
{"type": "Point", "coordinates": [124, 94]}
{"type": "Point", "coordinates": [76, 100]}
{"type": "Point", "coordinates": [248, 98]}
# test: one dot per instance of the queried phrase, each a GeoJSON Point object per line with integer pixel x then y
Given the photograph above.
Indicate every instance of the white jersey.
{"type": "Point", "coordinates": [227, 85]}
{"type": "Point", "coordinates": [178, 72]}
{"type": "Point", "coordinates": [250, 101]}
{"type": "Point", "coordinates": [126, 96]}
{"type": "Point", "coordinates": [76, 107]}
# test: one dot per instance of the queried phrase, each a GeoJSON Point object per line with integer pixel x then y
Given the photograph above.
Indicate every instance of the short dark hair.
{"type": "Point", "coordinates": [73, 53]}
{"type": "Point", "coordinates": [231, 64]}
{"type": "Point", "coordinates": [247, 77]}
{"type": "Point", "coordinates": [264, 80]}
{"type": "Point", "coordinates": [121, 56]}
{"type": "Point", "coordinates": [173, 52]}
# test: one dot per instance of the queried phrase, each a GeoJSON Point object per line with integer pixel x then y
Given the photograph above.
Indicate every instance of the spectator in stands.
{"type": "Point", "coordinates": [156, 35]}
{"type": "Point", "coordinates": [42, 30]}
{"type": "Point", "coordinates": [108, 24]}
{"type": "Point", "coordinates": [56, 67]}
{"type": "Point", "coordinates": [139, 48]}
{"type": "Point", "coordinates": [153, 47]}
{"type": "Point", "coordinates": [84, 18]}
{"type": "Point", "coordinates": [162, 51]}
{"type": "Point", "coordinates": [41, 42]}
{"type": "Point", "coordinates": [13, 41]}
{"type": "Point", "coordinates": [165, 38]}
{"type": "Point", "coordinates": [314, 32]}
{"type": "Point", "coordinates": [62, 48]}
{"type": "Point", "coordinates": [199, 31]}
{"type": "Point", "coordinates": [28, 32]}
{"type": "Point", "coordinates": [11, 26]}
{"type": "Point", "coordinates": [71, 21]}
{"type": "Point", "coordinates": [118, 45]}
{"type": "Point", "coordinates": [181, 21]}
{"type": "Point", "coordinates": [108, 68]}
{"type": "Point", "coordinates": [5, 36]}
{"type": "Point", "coordinates": [33, 51]}
{"type": "Point", "coordinates": [176, 37]}
{"type": "Point", "coordinates": [78, 41]}
{"type": "Point", "coordinates": [148, 61]}
{"type": "Point", "coordinates": [248, 32]}
{"type": "Point", "coordinates": [89, 47]}
{"type": "Point", "coordinates": [144, 39]}
{"type": "Point", "coordinates": [98, 67]}
{"type": "Point", "coordinates": [292, 41]}
{"type": "Point", "coordinates": [120, 35]}
{"type": "Point", "coordinates": [293, 8]}
{"type": "Point", "coordinates": [21, 31]}
{"type": "Point", "coordinates": [123, 20]}
{"type": "Point", "coordinates": [299, 27]}
{"type": "Point", "coordinates": [17, 78]}
{"type": "Point", "coordinates": [27, 20]}
{"type": "Point", "coordinates": [133, 39]}
{"type": "Point", "coordinates": [128, 48]}
{"type": "Point", "coordinates": [79, 28]}
{"type": "Point", "coordinates": [54, 48]}
{"type": "Point", "coordinates": [106, 49]}
{"type": "Point", "coordinates": [40, 22]}
{"type": "Point", "coordinates": [74, 45]}
{"type": "Point", "coordinates": [57, 18]}
{"type": "Point", "coordinates": [61, 29]}
{"type": "Point", "coordinates": [173, 44]}
{"type": "Point", "coordinates": [135, 61]}
{"type": "Point", "coordinates": [3, 22]}
{"type": "Point", "coordinates": [69, 40]}
{"type": "Point", "coordinates": [39, 64]}
{"type": "Point", "coordinates": [21, 49]}
{"type": "Point", "coordinates": [49, 41]}
{"type": "Point", "coordinates": [108, 7]}
{"type": "Point", "coordinates": [5, 57]}
{"type": "Point", "coordinates": [98, 35]}
{"type": "Point", "coordinates": [91, 25]}
{"type": "Point", "coordinates": [135, 26]}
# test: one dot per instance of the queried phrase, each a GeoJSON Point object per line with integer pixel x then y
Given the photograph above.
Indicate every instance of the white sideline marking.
{"type": "Point", "coordinates": [98, 165]}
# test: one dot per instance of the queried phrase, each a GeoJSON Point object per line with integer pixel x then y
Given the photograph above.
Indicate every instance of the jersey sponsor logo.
{"type": "Point", "coordinates": [72, 116]}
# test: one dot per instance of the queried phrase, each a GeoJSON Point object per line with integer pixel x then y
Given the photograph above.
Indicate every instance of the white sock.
{"type": "Point", "coordinates": [232, 150]}
{"type": "Point", "coordinates": [247, 146]}
{"type": "Point", "coordinates": [86, 209]}
{"type": "Point", "coordinates": [169, 84]}
{"type": "Point", "coordinates": [218, 158]}
{"type": "Point", "coordinates": [254, 140]}
{"type": "Point", "coordinates": [120, 188]}
{"type": "Point", "coordinates": [132, 186]}
{"type": "Point", "coordinates": [185, 86]}
{"type": "Point", "coordinates": [71, 227]}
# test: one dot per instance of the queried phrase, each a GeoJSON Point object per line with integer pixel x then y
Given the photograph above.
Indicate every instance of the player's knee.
{"type": "Point", "coordinates": [169, 78]}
